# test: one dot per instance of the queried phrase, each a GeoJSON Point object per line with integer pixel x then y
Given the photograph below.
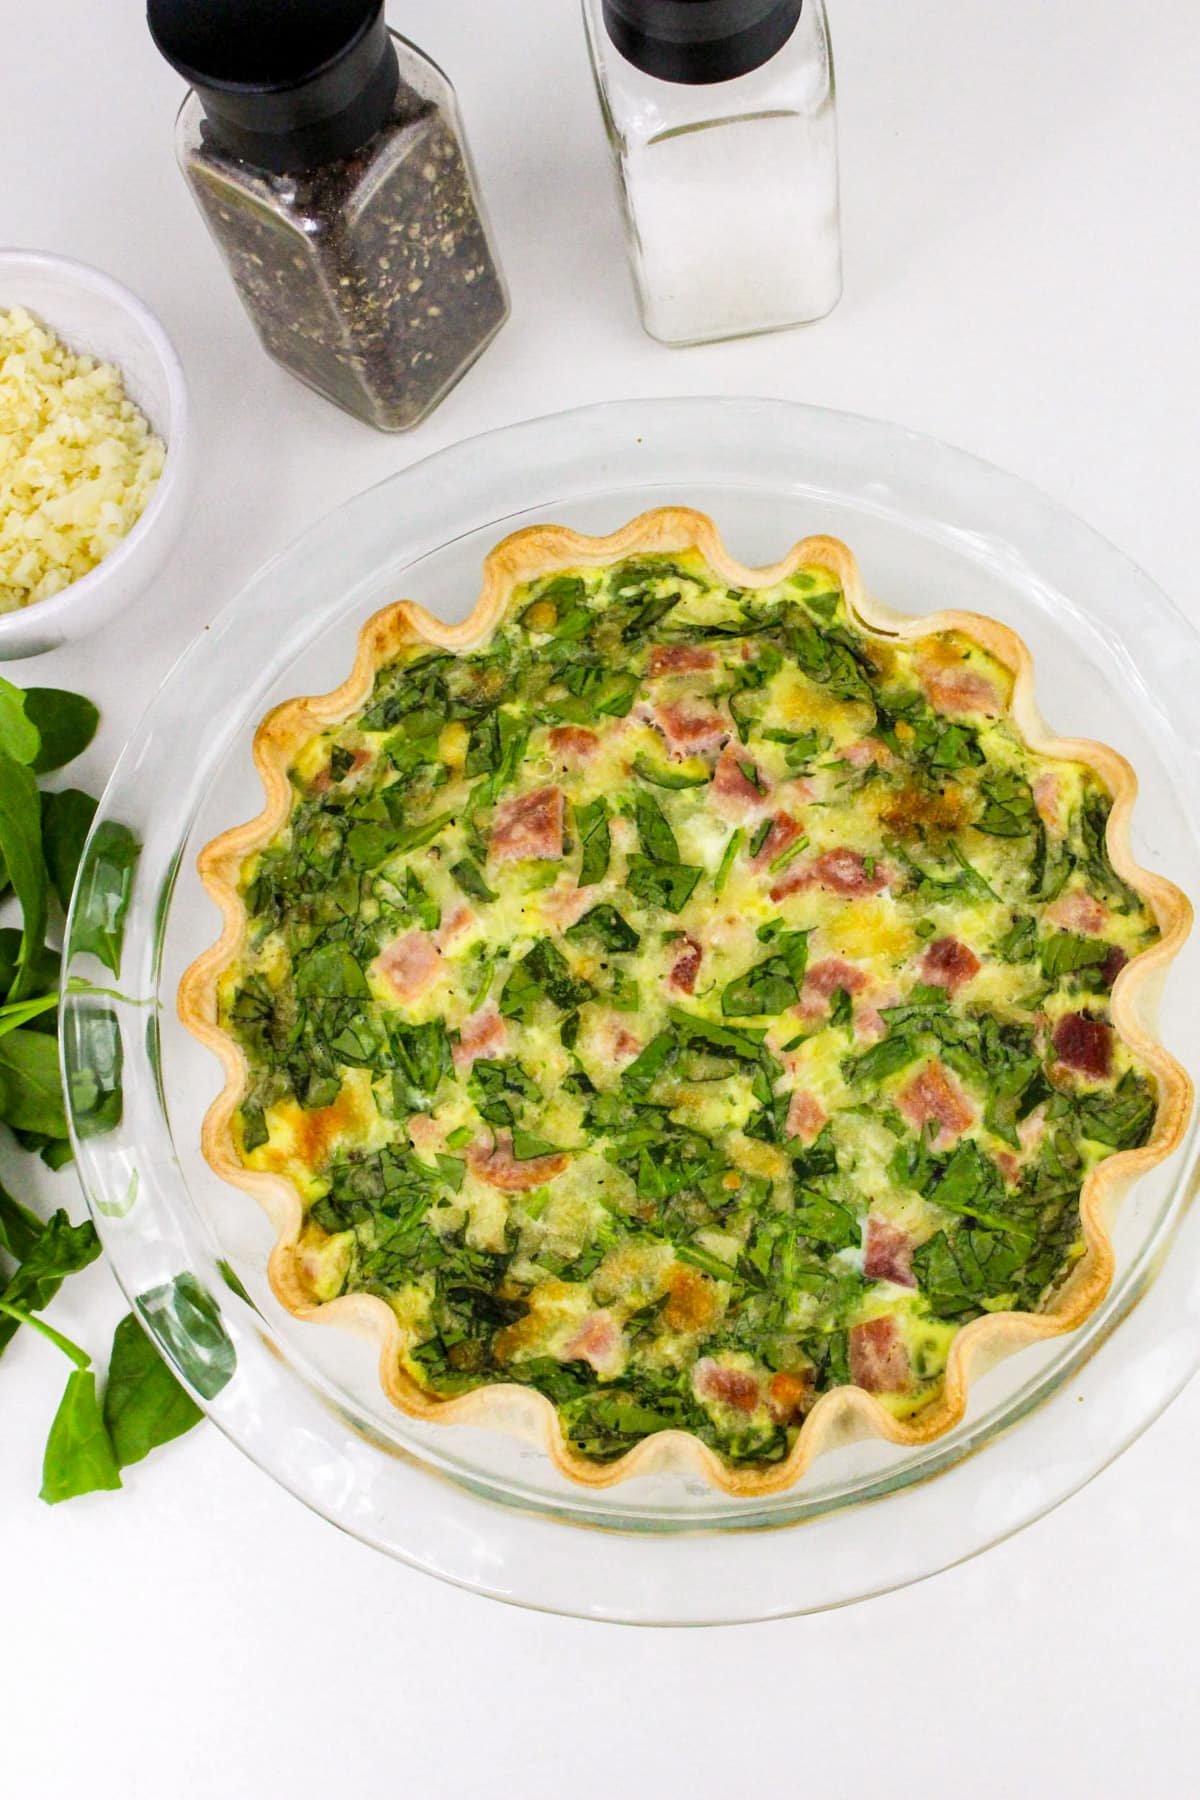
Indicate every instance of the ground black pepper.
{"type": "Point", "coordinates": [370, 276]}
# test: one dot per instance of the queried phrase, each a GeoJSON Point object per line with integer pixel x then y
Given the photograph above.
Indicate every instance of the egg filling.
{"type": "Point", "coordinates": [687, 1002]}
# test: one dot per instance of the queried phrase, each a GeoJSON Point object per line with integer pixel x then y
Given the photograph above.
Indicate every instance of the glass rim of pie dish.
{"type": "Point", "coordinates": [920, 515]}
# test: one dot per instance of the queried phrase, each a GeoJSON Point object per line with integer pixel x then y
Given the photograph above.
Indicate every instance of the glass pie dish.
{"type": "Point", "coordinates": [932, 528]}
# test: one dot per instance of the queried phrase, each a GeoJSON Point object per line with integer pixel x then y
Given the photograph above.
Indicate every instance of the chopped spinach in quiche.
{"type": "Point", "coordinates": [685, 1003]}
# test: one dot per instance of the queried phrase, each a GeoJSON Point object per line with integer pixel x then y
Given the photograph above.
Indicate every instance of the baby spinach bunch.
{"type": "Point", "coordinates": [42, 836]}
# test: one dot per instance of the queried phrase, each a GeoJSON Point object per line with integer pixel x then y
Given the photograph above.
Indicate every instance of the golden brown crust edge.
{"type": "Point", "coordinates": [845, 1413]}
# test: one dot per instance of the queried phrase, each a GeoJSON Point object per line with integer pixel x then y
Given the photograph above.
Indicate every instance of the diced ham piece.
{"type": "Point", "coordinates": [953, 688]}
{"type": "Point", "coordinates": [887, 1253]}
{"type": "Point", "coordinates": [528, 826]}
{"type": "Point", "coordinates": [789, 1395]}
{"type": "Point", "coordinates": [573, 743]}
{"type": "Point", "coordinates": [409, 964]}
{"type": "Point", "coordinates": [1084, 1045]}
{"type": "Point", "coordinates": [736, 792]}
{"type": "Point", "coordinates": [1009, 1166]}
{"type": "Point", "coordinates": [615, 1041]}
{"type": "Point", "coordinates": [1032, 1130]}
{"type": "Point", "coordinates": [784, 832]}
{"type": "Point", "coordinates": [878, 1357]}
{"type": "Point", "coordinates": [496, 1164]}
{"type": "Point", "coordinates": [598, 1341]}
{"type": "Point", "coordinates": [483, 1034]}
{"type": "Point", "coordinates": [1112, 965]}
{"type": "Point", "coordinates": [1047, 797]}
{"type": "Point", "coordinates": [822, 981]}
{"type": "Point", "coordinates": [949, 964]}
{"type": "Point", "coordinates": [805, 1117]}
{"type": "Point", "coordinates": [565, 904]}
{"type": "Point", "coordinates": [686, 966]}
{"type": "Point", "coordinates": [864, 751]}
{"type": "Point", "coordinates": [869, 1023]}
{"type": "Point", "coordinates": [455, 927]}
{"type": "Point", "coordinates": [1079, 911]}
{"type": "Point", "coordinates": [845, 872]}
{"type": "Point", "coordinates": [733, 1387]}
{"type": "Point", "coordinates": [689, 730]}
{"type": "Point", "coordinates": [837, 871]}
{"type": "Point", "coordinates": [426, 1134]}
{"type": "Point", "coordinates": [624, 1045]}
{"type": "Point", "coordinates": [680, 659]}
{"type": "Point", "coordinates": [932, 1098]}
{"type": "Point", "coordinates": [323, 780]}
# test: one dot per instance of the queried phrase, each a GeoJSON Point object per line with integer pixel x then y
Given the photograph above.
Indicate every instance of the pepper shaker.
{"type": "Point", "coordinates": [720, 116]}
{"type": "Point", "coordinates": [327, 157]}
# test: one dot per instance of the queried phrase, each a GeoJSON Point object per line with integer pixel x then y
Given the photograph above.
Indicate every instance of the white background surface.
{"type": "Point", "coordinates": [1022, 274]}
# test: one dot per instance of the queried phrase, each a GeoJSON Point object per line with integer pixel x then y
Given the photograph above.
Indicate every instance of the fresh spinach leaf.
{"type": "Point", "coordinates": [1066, 953]}
{"type": "Point", "coordinates": [1019, 943]}
{"type": "Point", "coordinates": [671, 775]}
{"type": "Point", "coordinates": [606, 926]}
{"type": "Point", "coordinates": [18, 734]}
{"type": "Point", "coordinates": [885, 1058]}
{"type": "Point", "coordinates": [664, 884]}
{"type": "Point", "coordinates": [1008, 810]}
{"type": "Point", "coordinates": [370, 844]}
{"type": "Point", "coordinates": [66, 820]}
{"type": "Point", "coordinates": [526, 1145]}
{"type": "Point", "coordinates": [144, 1405]}
{"type": "Point", "coordinates": [591, 823]}
{"type": "Point", "coordinates": [60, 1249]}
{"type": "Point", "coordinates": [543, 970]}
{"type": "Point", "coordinates": [959, 1270]}
{"type": "Point", "coordinates": [184, 1318]}
{"type": "Point", "coordinates": [499, 1087]}
{"type": "Point", "coordinates": [30, 1085]}
{"type": "Point", "coordinates": [46, 968]}
{"type": "Point", "coordinates": [1121, 1119]}
{"type": "Point", "coordinates": [743, 1042]}
{"type": "Point", "coordinates": [21, 848]}
{"type": "Point", "coordinates": [79, 1457]}
{"type": "Point", "coordinates": [66, 724]}
{"type": "Point", "coordinates": [469, 877]}
{"type": "Point", "coordinates": [818, 1217]}
{"type": "Point", "coordinates": [19, 1228]}
{"type": "Point", "coordinates": [703, 1259]}
{"type": "Point", "coordinates": [727, 856]}
{"type": "Point", "coordinates": [105, 887]}
{"type": "Point", "coordinates": [640, 1075]}
{"type": "Point", "coordinates": [773, 985]}
{"type": "Point", "coordinates": [420, 1058]}
{"type": "Point", "coordinates": [330, 972]}
{"type": "Point", "coordinates": [657, 838]}
{"type": "Point", "coordinates": [1093, 831]}
{"type": "Point", "coordinates": [97, 1095]}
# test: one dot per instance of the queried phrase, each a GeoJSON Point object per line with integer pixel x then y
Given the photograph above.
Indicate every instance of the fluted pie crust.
{"type": "Point", "coordinates": [845, 1412]}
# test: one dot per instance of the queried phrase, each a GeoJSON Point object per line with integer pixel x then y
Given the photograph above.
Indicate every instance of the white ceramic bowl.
{"type": "Point", "coordinates": [92, 312]}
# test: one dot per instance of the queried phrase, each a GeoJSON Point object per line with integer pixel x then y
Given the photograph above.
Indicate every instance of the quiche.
{"type": "Point", "coordinates": [686, 1014]}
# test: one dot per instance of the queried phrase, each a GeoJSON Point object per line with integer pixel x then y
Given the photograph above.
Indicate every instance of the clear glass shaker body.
{"type": "Point", "coordinates": [729, 189]}
{"type": "Point", "coordinates": [372, 277]}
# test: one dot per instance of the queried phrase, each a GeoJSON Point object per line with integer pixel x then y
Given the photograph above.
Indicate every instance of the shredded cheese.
{"type": "Point", "coordinates": [78, 462]}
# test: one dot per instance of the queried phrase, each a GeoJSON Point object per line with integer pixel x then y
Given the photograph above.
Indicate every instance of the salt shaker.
{"type": "Point", "coordinates": [720, 116]}
{"type": "Point", "coordinates": [327, 157]}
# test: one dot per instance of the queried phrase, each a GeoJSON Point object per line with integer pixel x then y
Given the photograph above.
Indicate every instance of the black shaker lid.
{"type": "Point", "coordinates": [286, 84]}
{"type": "Point", "coordinates": [698, 41]}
